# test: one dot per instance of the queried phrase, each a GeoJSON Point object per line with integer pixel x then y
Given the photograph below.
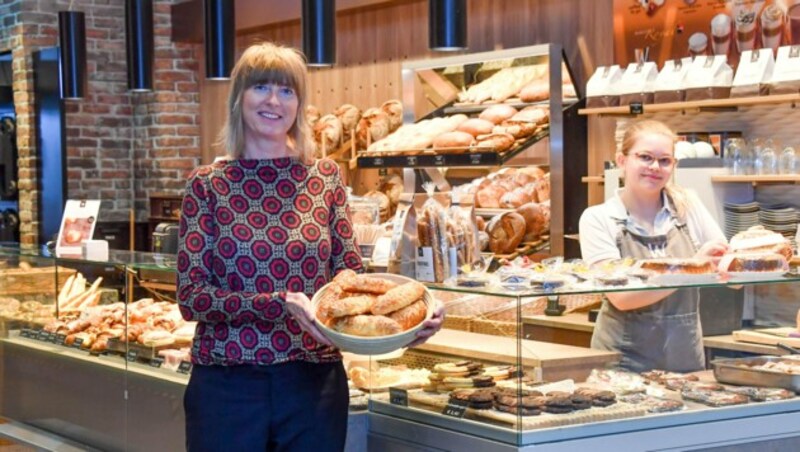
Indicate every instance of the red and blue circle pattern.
{"type": "Point", "coordinates": [252, 230]}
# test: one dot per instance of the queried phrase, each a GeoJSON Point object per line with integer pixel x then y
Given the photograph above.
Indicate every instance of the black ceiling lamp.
{"type": "Point", "coordinates": [139, 41]}
{"type": "Point", "coordinates": [72, 54]}
{"type": "Point", "coordinates": [220, 38]}
{"type": "Point", "coordinates": [318, 23]}
{"type": "Point", "coordinates": [447, 25]}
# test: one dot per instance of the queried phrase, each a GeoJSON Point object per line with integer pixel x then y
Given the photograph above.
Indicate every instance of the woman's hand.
{"type": "Point", "coordinates": [300, 308]}
{"type": "Point", "coordinates": [712, 250]}
{"type": "Point", "coordinates": [431, 326]}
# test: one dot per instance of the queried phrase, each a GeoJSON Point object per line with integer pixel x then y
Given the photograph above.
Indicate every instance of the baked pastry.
{"type": "Point", "coordinates": [489, 196]}
{"type": "Point", "coordinates": [535, 91]}
{"type": "Point", "coordinates": [328, 133]}
{"type": "Point", "coordinates": [312, 115]}
{"type": "Point", "coordinates": [366, 325]}
{"type": "Point", "coordinates": [759, 240]}
{"type": "Point", "coordinates": [536, 222]}
{"type": "Point", "coordinates": [349, 115]}
{"type": "Point", "coordinates": [410, 316]}
{"type": "Point", "coordinates": [505, 232]}
{"type": "Point", "coordinates": [515, 198]}
{"type": "Point", "coordinates": [394, 110]}
{"type": "Point", "coordinates": [756, 262]}
{"type": "Point", "coordinates": [349, 281]}
{"type": "Point", "coordinates": [674, 265]}
{"type": "Point", "coordinates": [498, 142]}
{"type": "Point", "coordinates": [498, 113]}
{"type": "Point", "coordinates": [398, 298]}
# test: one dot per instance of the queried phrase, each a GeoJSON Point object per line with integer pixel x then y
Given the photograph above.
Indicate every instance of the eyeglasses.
{"type": "Point", "coordinates": [647, 159]}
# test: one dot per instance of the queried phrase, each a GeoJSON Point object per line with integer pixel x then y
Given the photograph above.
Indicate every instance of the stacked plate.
{"type": "Point", "coordinates": [740, 217]}
{"type": "Point", "coordinates": [782, 219]}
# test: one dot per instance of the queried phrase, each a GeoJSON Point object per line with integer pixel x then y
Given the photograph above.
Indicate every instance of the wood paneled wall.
{"type": "Point", "coordinates": [373, 42]}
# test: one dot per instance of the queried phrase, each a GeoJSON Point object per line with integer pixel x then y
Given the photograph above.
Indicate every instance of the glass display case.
{"type": "Point", "coordinates": [79, 362]}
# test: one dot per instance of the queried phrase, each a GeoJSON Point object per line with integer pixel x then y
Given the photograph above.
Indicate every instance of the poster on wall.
{"type": "Point", "coordinates": [77, 225]}
{"type": "Point", "coordinates": [661, 30]}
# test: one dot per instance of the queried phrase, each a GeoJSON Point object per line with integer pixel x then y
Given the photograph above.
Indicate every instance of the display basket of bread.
{"type": "Point", "coordinates": [372, 314]}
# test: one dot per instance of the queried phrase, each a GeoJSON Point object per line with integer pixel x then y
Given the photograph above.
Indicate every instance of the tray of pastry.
{"type": "Point", "coordinates": [763, 371]}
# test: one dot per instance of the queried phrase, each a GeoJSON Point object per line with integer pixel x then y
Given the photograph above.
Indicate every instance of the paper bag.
{"type": "Point", "coordinates": [709, 77]}
{"type": "Point", "coordinates": [753, 74]}
{"type": "Point", "coordinates": [402, 251]}
{"type": "Point", "coordinates": [786, 74]}
{"type": "Point", "coordinates": [638, 83]}
{"type": "Point", "coordinates": [669, 83]}
{"type": "Point", "coordinates": [601, 90]}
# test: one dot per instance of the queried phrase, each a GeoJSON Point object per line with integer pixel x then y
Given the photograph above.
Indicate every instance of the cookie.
{"type": "Point", "coordinates": [483, 382]}
{"type": "Point", "coordinates": [461, 395]}
{"type": "Point", "coordinates": [482, 395]}
{"type": "Point", "coordinates": [605, 395]}
{"type": "Point", "coordinates": [581, 402]}
{"type": "Point", "coordinates": [603, 403]}
{"type": "Point", "coordinates": [507, 400]}
{"type": "Point", "coordinates": [481, 405]}
{"type": "Point", "coordinates": [558, 394]}
{"type": "Point", "coordinates": [557, 409]}
{"type": "Point", "coordinates": [518, 410]}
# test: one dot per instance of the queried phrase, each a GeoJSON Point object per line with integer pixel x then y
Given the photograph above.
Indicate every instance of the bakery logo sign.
{"type": "Point", "coordinates": [661, 30]}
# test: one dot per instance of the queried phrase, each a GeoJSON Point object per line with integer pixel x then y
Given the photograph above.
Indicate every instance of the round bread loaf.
{"type": "Point", "coordinates": [536, 91]}
{"type": "Point", "coordinates": [535, 220]}
{"type": "Point", "coordinates": [394, 110]}
{"type": "Point", "coordinates": [455, 139]}
{"type": "Point", "coordinates": [515, 198]}
{"type": "Point", "coordinates": [505, 232]}
{"type": "Point", "coordinates": [498, 113]}
{"type": "Point", "coordinates": [349, 115]}
{"type": "Point", "coordinates": [498, 142]}
{"type": "Point", "coordinates": [489, 196]}
{"type": "Point", "coordinates": [533, 115]}
{"type": "Point", "coordinates": [480, 223]}
{"type": "Point", "coordinates": [476, 126]}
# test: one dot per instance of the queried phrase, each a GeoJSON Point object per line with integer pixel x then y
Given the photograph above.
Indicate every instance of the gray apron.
{"type": "Point", "coordinates": [665, 335]}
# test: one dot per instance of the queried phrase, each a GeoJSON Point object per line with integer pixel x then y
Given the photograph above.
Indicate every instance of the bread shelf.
{"type": "Point", "coordinates": [516, 103]}
{"type": "Point", "coordinates": [472, 159]}
{"type": "Point", "coordinates": [700, 105]}
{"type": "Point", "coordinates": [767, 179]}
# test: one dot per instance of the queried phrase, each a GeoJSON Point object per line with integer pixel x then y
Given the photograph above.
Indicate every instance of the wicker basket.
{"type": "Point", "coordinates": [504, 322]}
{"type": "Point", "coordinates": [36, 280]}
{"type": "Point", "coordinates": [460, 314]}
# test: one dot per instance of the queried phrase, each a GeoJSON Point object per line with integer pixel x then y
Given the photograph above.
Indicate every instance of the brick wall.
{"type": "Point", "coordinates": [121, 146]}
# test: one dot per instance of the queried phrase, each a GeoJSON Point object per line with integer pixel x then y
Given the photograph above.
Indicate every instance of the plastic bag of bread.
{"type": "Point", "coordinates": [462, 233]}
{"type": "Point", "coordinates": [432, 254]}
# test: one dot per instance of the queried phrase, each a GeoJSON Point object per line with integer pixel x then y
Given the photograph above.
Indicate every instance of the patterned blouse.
{"type": "Point", "coordinates": [250, 231]}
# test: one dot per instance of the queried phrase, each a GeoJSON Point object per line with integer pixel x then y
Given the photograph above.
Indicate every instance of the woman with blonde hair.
{"type": "Point", "coordinates": [650, 217]}
{"type": "Point", "coordinates": [261, 231]}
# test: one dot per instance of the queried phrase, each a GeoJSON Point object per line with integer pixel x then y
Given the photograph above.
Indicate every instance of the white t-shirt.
{"type": "Point", "coordinates": [599, 226]}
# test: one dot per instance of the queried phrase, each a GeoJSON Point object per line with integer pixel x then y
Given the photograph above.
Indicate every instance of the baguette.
{"type": "Point", "coordinates": [62, 295]}
{"type": "Point", "coordinates": [398, 298]}
{"type": "Point", "coordinates": [78, 286]}
{"type": "Point", "coordinates": [78, 301]}
{"type": "Point", "coordinates": [367, 325]}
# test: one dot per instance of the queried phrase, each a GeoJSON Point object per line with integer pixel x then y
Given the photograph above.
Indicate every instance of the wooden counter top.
{"type": "Point", "coordinates": [576, 321]}
{"type": "Point", "coordinates": [726, 342]}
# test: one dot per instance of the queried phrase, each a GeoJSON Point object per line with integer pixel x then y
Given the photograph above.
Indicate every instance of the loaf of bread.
{"type": "Point", "coordinates": [366, 325]}
{"type": "Point", "coordinates": [398, 298]}
{"type": "Point", "coordinates": [536, 222]}
{"type": "Point", "coordinates": [759, 240]}
{"type": "Point", "coordinates": [312, 115]}
{"type": "Point", "coordinates": [394, 110]}
{"type": "Point", "coordinates": [411, 315]}
{"type": "Point", "coordinates": [498, 142]}
{"type": "Point", "coordinates": [455, 140]}
{"type": "Point", "coordinates": [516, 129]}
{"type": "Point", "coordinates": [536, 91]}
{"type": "Point", "coordinates": [505, 232]}
{"type": "Point", "coordinates": [498, 113]}
{"type": "Point", "coordinates": [476, 127]}
{"type": "Point", "coordinates": [328, 133]}
{"type": "Point", "coordinates": [489, 197]}
{"type": "Point", "coordinates": [373, 126]}
{"type": "Point", "coordinates": [515, 198]}
{"type": "Point", "coordinates": [349, 115]}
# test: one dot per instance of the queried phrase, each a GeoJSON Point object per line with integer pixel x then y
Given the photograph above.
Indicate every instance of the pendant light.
{"type": "Point", "coordinates": [139, 41]}
{"type": "Point", "coordinates": [72, 54]}
{"type": "Point", "coordinates": [447, 25]}
{"type": "Point", "coordinates": [220, 38]}
{"type": "Point", "coordinates": [318, 25]}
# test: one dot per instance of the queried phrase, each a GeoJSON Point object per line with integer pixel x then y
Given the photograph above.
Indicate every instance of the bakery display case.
{"type": "Point", "coordinates": [106, 365]}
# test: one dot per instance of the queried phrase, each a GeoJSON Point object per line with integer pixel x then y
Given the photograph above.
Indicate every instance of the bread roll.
{"type": "Point", "coordinates": [411, 315]}
{"type": "Point", "coordinates": [349, 281]}
{"type": "Point", "coordinates": [535, 91]}
{"type": "Point", "coordinates": [543, 188]}
{"type": "Point", "coordinates": [349, 115]}
{"type": "Point", "coordinates": [480, 223]}
{"type": "Point", "coordinates": [394, 110]}
{"type": "Point", "coordinates": [535, 221]}
{"type": "Point", "coordinates": [355, 305]}
{"type": "Point", "coordinates": [515, 198]}
{"type": "Point", "coordinates": [476, 126]}
{"type": "Point", "coordinates": [373, 126]}
{"type": "Point", "coordinates": [516, 129]}
{"type": "Point", "coordinates": [535, 115]}
{"type": "Point", "coordinates": [398, 298]}
{"type": "Point", "coordinates": [498, 113]}
{"type": "Point", "coordinates": [498, 142]}
{"type": "Point", "coordinates": [456, 139]}
{"type": "Point", "coordinates": [328, 133]}
{"type": "Point", "coordinates": [312, 115]}
{"type": "Point", "coordinates": [505, 232]}
{"type": "Point", "coordinates": [489, 196]}
{"type": "Point", "coordinates": [366, 325]}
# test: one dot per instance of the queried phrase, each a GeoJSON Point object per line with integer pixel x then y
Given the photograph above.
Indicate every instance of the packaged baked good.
{"type": "Point", "coordinates": [638, 83]}
{"type": "Point", "coordinates": [709, 77]}
{"type": "Point", "coordinates": [601, 90]}
{"type": "Point", "coordinates": [403, 247]}
{"type": "Point", "coordinates": [786, 75]}
{"type": "Point", "coordinates": [753, 73]}
{"type": "Point", "coordinates": [432, 253]}
{"type": "Point", "coordinates": [669, 83]}
{"type": "Point", "coordinates": [462, 233]}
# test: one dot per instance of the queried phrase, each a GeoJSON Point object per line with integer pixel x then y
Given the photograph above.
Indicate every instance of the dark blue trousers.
{"type": "Point", "coordinates": [296, 406]}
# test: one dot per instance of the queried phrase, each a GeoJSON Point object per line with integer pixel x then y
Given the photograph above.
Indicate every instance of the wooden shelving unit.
{"type": "Point", "coordinates": [697, 106]}
{"type": "Point", "coordinates": [770, 179]}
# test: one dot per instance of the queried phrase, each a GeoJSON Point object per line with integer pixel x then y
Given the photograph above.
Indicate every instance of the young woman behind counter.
{"type": "Point", "coordinates": [650, 217]}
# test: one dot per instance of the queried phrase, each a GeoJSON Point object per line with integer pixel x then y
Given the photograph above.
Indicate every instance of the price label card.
{"type": "Point", "coordinates": [52, 337]}
{"type": "Point", "coordinates": [78, 342]}
{"type": "Point", "coordinates": [455, 408]}
{"type": "Point", "coordinates": [184, 367]}
{"type": "Point", "coordinates": [636, 108]}
{"type": "Point", "coordinates": [398, 396]}
{"type": "Point", "coordinates": [132, 355]}
{"type": "Point", "coordinates": [61, 339]}
{"type": "Point", "coordinates": [475, 159]}
{"type": "Point", "coordinates": [42, 335]}
{"type": "Point", "coordinates": [156, 362]}
{"type": "Point", "coordinates": [26, 333]}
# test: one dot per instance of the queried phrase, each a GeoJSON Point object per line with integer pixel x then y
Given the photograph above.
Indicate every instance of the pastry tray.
{"type": "Point", "coordinates": [740, 371]}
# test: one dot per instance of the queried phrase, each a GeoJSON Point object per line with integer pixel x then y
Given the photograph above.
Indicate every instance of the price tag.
{"type": "Point", "coordinates": [411, 161]}
{"type": "Point", "coordinates": [438, 160]}
{"type": "Point", "coordinates": [377, 161]}
{"type": "Point", "coordinates": [42, 335]}
{"type": "Point", "coordinates": [78, 342]}
{"type": "Point", "coordinates": [156, 362]}
{"type": "Point", "coordinates": [455, 408]}
{"type": "Point", "coordinates": [636, 108]}
{"type": "Point", "coordinates": [383, 172]}
{"type": "Point", "coordinates": [61, 339]}
{"type": "Point", "coordinates": [26, 333]}
{"type": "Point", "coordinates": [475, 159]}
{"type": "Point", "coordinates": [184, 367]}
{"type": "Point", "coordinates": [132, 355]}
{"type": "Point", "coordinates": [398, 396]}
{"type": "Point", "coordinates": [52, 337]}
